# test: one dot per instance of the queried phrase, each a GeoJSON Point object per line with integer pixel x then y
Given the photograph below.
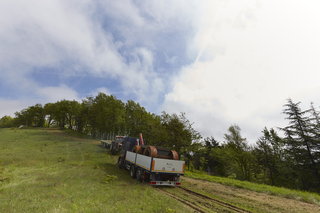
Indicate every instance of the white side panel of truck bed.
{"type": "Point", "coordinates": [131, 156]}
{"type": "Point", "coordinates": [156, 164]}
{"type": "Point", "coordinates": [144, 161]}
{"type": "Point", "coordinates": [168, 166]}
{"type": "Point", "coordinates": [139, 160]}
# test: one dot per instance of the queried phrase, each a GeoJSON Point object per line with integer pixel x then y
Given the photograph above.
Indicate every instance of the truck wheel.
{"type": "Point", "coordinates": [119, 163]}
{"type": "Point", "coordinates": [139, 175]}
{"type": "Point", "coordinates": [132, 172]}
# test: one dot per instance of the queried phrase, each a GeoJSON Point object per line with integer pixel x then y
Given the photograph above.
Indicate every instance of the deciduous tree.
{"type": "Point", "coordinates": [239, 151]}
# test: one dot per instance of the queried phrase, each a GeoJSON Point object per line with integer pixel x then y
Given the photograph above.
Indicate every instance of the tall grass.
{"type": "Point", "coordinates": [262, 188]}
{"type": "Point", "coordinates": [69, 172]}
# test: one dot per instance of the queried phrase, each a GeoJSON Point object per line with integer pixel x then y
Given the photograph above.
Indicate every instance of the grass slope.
{"type": "Point", "coordinates": [49, 170]}
{"type": "Point", "coordinates": [261, 188]}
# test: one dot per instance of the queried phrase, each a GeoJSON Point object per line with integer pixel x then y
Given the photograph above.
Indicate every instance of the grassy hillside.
{"type": "Point", "coordinates": [308, 197]}
{"type": "Point", "coordinates": [49, 170]}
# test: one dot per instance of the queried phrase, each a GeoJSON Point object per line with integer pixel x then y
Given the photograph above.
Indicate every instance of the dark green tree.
{"type": "Point", "coordinates": [210, 144]}
{"type": "Point", "coordinates": [49, 110]}
{"type": "Point", "coordinates": [61, 112]}
{"type": "Point", "coordinates": [136, 119]}
{"type": "Point", "coordinates": [81, 118]}
{"type": "Point", "coordinates": [37, 115]}
{"type": "Point", "coordinates": [239, 151]}
{"type": "Point", "coordinates": [302, 144]}
{"type": "Point", "coordinates": [6, 121]}
{"type": "Point", "coordinates": [179, 132]}
{"type": "Point", "coordinates": [220, 162]}
{"type": "Point", "coordinates": [270, 154]}
{"type": "Point", "coordinates": [24, 117]}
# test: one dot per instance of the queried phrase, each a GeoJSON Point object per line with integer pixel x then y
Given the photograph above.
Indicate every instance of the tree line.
{"type": "Point", "coordinates": [105, 115]}
{"type": "Point", "coordinates": [291, 161]}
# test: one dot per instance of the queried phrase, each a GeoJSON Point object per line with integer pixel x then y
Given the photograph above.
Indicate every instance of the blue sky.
{"type": "Point", "coordinates": [220, 61]}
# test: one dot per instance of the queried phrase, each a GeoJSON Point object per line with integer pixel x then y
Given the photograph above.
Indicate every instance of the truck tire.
{"type": "Point", "coordinates": [119, 162]}
{"type": "Point", "coordinates": [125, 165]}
{"type": "Point", "coordinates": [139, 175]}
{"type": "Point", "coordinates": [132, 171]}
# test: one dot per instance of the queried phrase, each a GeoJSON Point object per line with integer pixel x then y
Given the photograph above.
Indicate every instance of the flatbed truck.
{"type": "Point", "coordinates": [158, 171]}
{"type": "Point", "coordinates": [106, 143]}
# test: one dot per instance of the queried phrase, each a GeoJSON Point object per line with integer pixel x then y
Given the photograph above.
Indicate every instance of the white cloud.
{"type": "Point", "coordinates": [53, 94]}
{"type": "Point", "coordinates": [103, 39]}
{"type": "Point", "coordinates": [170, 60]}
{"type": "Point", "coordinates": [43, 95]}
{"type": "Point", "coordinates": [70, 39]}
{"type": "Point", "coordinates": [125, 12]}
{"type": "Point", "coordinates": [98, 90]}
{"type": "Point", "coordinates": [249, 56]}
{"type": "Point", "coordinates": [9, 107]}
{"type": "Point", "coordinates": [258, 56]}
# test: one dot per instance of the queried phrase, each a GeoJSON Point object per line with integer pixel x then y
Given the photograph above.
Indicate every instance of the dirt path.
{"type": "Point", "coordinates": [252, 201]}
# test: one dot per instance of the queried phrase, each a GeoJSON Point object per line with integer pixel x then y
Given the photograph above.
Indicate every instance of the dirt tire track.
{"type": "Point", "coordinates": [248, 199]}
{"type": "Point", "coordinates": [221, 203]}
{"type": "Point", "coordinates": [200, 206]}
{"type": "Point", "coordinates": [189, 204]}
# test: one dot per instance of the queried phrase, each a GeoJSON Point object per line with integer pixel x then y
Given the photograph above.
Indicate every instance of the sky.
{"type": "Point", "coordinates": [222, 62]}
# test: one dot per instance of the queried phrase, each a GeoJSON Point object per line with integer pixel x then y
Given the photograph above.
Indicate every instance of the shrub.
{"type": "Point", "coordinates": [109, 178]}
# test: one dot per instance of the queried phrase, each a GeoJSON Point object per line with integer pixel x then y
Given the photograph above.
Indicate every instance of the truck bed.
{"type": "Point", "coordinates": [157, 165]}
{"type": "Point", "coordinates": [105, 143]}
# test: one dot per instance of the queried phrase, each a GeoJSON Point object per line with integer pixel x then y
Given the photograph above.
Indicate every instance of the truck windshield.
{"type": "Point", "coordinates": [119, 139]}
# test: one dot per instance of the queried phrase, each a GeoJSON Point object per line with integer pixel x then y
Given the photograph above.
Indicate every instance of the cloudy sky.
{"type": "Point", "coordinates": [222, 62]}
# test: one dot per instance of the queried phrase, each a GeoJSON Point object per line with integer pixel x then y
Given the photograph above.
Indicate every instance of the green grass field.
{"type": "Point", "coordinates": [49, 170]}
{"type": "Point", "coordinates": [261, 188]}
